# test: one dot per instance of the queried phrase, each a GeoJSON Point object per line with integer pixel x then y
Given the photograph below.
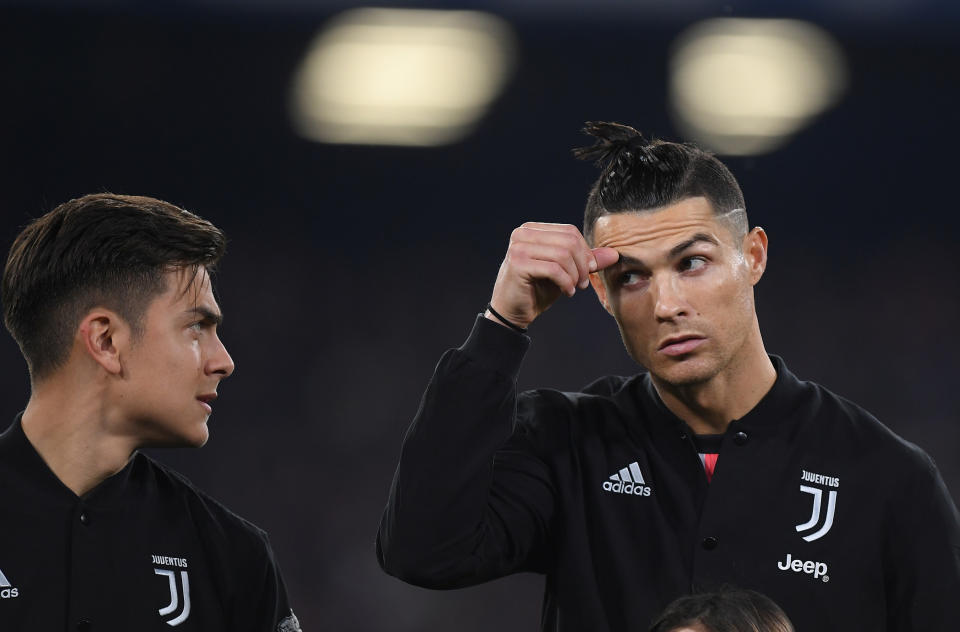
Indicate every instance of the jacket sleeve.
{"type": "Point", "coordinates": [260, 603]}
{"type": "Point", "coordinates": [470, 501]}
{"type": "Point", "coordinates": [923, 587]}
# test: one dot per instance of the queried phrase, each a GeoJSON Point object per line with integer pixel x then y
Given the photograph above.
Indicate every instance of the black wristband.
{"type": "Point", "coordinates": [516, 328]}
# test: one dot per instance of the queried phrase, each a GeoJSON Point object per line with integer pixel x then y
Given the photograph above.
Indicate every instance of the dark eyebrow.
{"type": "Point", "coordinates": [209, 316]}
{"type": "Point", "coordinates": [627, 260]}
{"type": "Point", "coordinates": [676, 250]}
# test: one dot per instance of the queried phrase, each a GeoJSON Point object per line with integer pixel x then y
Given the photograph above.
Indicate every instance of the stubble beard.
{"type": "Point", "coordinates": [679, 376]}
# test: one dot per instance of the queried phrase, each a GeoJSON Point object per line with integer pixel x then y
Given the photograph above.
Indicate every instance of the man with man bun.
{"type": "Point", "coordinates": [716, 466]}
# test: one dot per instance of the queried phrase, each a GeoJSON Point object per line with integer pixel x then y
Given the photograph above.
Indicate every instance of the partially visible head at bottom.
{"type": "Point", "coordinates": [727, 610]}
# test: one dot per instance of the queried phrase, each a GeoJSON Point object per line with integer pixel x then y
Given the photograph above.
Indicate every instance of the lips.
{"type": "Point", "coordinates": [680, 345]}
{"type": "Point", "coordinates": [205, 401]}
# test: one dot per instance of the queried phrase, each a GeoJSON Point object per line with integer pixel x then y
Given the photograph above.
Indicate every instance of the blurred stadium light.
{"type": "Point", "coordinates": [744, 86]}
{"type": "Point", "coordinates": [401, 76]}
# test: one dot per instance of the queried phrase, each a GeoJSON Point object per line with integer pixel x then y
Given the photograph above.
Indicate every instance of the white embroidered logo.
{"type": "Point", "coordinates": [628, 480]}
{"type": "Point", "coordinates": [7, 590]}
{"type": "Point", "coordinates": [176, 588]}
{"type": "Point", "coordinates": [289, 624]}
{"type": "Point", "coordinates": [817, 569]}
{"type": "Point", "coordinates": [817, 515]}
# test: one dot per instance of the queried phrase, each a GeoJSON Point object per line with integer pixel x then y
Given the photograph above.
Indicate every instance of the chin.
{"type": "Point", "coordinates": [199, 438]}
{"type": "Point", "coordinates": [686, 372]}
{"type": "Point", "coordinates": [184, 437]}
{"type": "Point", "coordinates": [169, 429]}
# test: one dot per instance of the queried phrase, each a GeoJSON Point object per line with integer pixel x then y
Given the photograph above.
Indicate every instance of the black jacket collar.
{"type": "Point", "coordinates": [779, 403]}
{"type": "Point", "coordinates": [23, 467]}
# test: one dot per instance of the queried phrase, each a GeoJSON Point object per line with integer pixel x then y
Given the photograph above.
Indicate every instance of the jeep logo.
{"type": "Point", "coordinates": [817, 569]}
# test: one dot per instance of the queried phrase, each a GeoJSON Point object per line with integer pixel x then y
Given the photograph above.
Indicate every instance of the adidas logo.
{"type": "Point", "coordinates": [7, 591]}
{"type": "Point", "coordinates": [628, 480]}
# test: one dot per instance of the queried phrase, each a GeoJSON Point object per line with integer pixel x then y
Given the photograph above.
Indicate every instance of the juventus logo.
{"type": "Point", "coordinates": [175, 596]}
{"type": "Point", "coordinates": [815, 517]}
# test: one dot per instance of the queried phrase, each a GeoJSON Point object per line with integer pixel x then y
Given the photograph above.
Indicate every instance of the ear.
{"type": "Point", "coordinates": [105, 338]}
{"type": "Point", "coordinates": [755, 253]}
{"type": "Point", "coordinates": [598, 286]}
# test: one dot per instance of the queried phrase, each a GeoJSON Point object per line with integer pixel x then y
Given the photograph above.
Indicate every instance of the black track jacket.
{"type": "Point", "coordinates": [144, 551]}
{"type": "Point", "coordinates": [813, 502]}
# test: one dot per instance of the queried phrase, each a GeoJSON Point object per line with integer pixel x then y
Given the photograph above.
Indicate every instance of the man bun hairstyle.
{"type": "Point", "coordinates": [104, 250]}
{"type": "Point", "coordinates": [639, 174]}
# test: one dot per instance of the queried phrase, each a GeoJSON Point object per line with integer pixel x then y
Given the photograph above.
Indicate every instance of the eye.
{"type": "Point", "coordinates": [631, 279]}
{"type": "Point", "coordinates": [692, 263]}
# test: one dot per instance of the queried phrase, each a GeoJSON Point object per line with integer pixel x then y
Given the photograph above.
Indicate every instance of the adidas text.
{"type": "Point", "coordinates": [626, 488]}
{"type": "Point", "coordinates": [629, 480]}
{"type": "Point", "coordinates": [7, 590]}
{"type": "Point", "coordinates": [817, 569]}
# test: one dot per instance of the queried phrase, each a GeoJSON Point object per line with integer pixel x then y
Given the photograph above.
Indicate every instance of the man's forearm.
{"type": "Point", "coordinates": [436, 529]}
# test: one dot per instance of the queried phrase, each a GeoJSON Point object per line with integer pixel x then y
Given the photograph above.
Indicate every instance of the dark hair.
{"type": "Point", "coordinates": [99, 249]}
{"type": "Point", "coordinates": [639, 174]}
{"type": "Point", "coordinates": [727, 610]}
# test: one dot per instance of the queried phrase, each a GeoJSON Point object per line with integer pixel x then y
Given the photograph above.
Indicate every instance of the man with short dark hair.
{"type": "Point", "coordinates": [111, 302]}
{"type": "Point", "coordinates": [716, 466]}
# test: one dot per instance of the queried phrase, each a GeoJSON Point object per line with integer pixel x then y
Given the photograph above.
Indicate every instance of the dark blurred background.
{"type": "Point", "coordinates": [352, 267]}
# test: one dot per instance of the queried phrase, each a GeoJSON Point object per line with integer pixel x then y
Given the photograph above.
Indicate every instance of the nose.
{"type": "Point", "coordinates": [219, 361]}
{"type": "Point", "coordinates": [668, 301]}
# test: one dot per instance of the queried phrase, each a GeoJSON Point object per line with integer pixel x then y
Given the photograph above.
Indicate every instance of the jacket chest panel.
{"type": "Point", "coordinates": [798, 528]}
{"type": "Point", "coordinates": [627, 516]}
{"type": "Point", "coordinates": [773, 518]}
{"type": "Point", "coordinates": [115, 568]}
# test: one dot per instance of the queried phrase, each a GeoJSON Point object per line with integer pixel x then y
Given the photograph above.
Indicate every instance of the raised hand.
{"type": "Point", "coordinates": [544, 261]}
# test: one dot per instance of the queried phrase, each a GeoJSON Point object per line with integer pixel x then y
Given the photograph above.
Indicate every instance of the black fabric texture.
{"type": "Point", "coordinates": [813, 502]}
{"type": "Point", "coordinates": [95, 558]}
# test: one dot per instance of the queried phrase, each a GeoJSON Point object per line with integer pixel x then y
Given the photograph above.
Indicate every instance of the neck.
{"type": "Point", "coordinates": [708, 407]}
{"type": "Point", "coordinates": [69, 428]}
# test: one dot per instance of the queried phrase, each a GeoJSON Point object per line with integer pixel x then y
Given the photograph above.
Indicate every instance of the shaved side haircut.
{"type": "Point", "coordinates": [101, 250]}
{"type": "Point", "coordinates": [638, 175]}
